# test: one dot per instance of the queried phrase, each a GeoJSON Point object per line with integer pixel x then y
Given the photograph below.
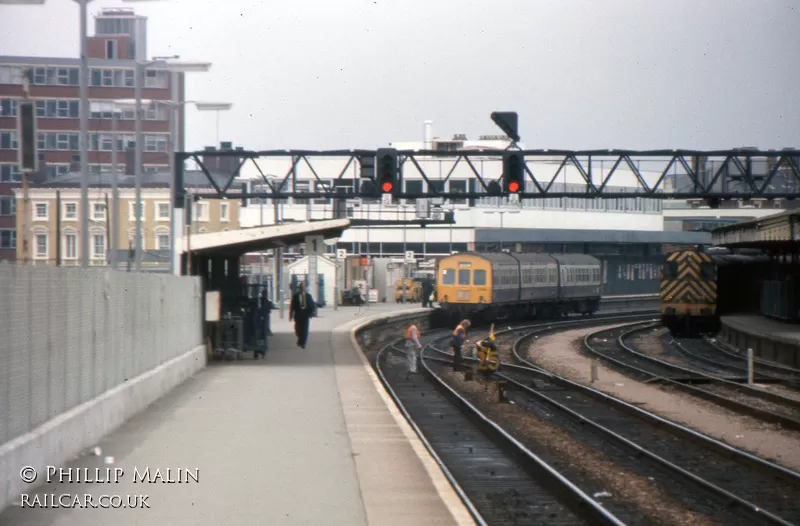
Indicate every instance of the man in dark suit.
{"type": "Point", "coordinates": [302, 309]}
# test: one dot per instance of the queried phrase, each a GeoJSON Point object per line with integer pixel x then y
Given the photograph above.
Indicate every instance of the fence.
{"type": "Point", "coordinates": [68, 335]}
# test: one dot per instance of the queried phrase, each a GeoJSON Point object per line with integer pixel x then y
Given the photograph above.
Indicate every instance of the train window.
{"type": "Point", "coordinates": [670, 270]}
{"type": "Point", "coordinates": [463, 276]}
{"type": "Point", "coordinates": [707, 270]}
{"type": "Point", "coordinates": [448, 276]}
{"type": "Point", "coordinates": [479, 278]}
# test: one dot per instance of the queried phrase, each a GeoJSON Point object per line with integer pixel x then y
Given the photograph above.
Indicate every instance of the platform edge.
{"type": "Point", "coordinates": [443, 487]}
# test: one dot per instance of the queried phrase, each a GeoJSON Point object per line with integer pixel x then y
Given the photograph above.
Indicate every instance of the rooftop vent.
{"type": "Point", "coordinates": [117, 11]}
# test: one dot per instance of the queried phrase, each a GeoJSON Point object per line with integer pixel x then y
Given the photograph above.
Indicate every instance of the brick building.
{"type": "Point", "coordinates": [120, 40]}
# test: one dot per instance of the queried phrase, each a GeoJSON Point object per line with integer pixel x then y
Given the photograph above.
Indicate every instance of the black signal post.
{"type": "Point", "coordinates": [513, 172]}
{"type": "Point", "coordinates": [387, 172]}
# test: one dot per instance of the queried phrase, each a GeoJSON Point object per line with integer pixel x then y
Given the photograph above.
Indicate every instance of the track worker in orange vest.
{"type": "Point", "coordinates": [412, 344]}
{"type": "Point", "coordinates": [459, 336]}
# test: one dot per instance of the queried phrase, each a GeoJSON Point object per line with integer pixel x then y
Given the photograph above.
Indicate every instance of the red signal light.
{"type": "Point", "coordinates": [513, 187]}
{"type": "Point", "coordinates": [387, 186]}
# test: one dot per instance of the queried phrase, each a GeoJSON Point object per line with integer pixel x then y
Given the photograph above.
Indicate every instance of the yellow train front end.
{"type": "Point", "coordinates": [689, 294]}
{"type": "Point", "coordinates": [464, 285]}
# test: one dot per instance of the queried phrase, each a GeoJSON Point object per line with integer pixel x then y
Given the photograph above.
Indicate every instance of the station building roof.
{"type": "Point", "coordinates": [557, 235]}
{"type": "Point", "coordinates": [234, 243]}
{"type": "Point", "coordinates": [774, 231]}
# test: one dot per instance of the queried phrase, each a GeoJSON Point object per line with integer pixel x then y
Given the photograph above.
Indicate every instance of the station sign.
{"type": "Point", "coordinates": [341, 254]}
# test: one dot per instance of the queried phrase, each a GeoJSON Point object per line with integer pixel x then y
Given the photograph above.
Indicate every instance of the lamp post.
{"type": "Point", "coordinates": [113, 236]}
{"type": "Point", "coordinates": [174, 106]}
{"type": "Point", "coordinates": [160, 64]}
{"type": "Point", "coordinates": [332, 243]}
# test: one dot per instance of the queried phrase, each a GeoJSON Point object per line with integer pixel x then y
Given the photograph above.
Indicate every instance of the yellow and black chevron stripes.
{"type": "Point", "coordinates": [689, 254]}
{"type": "Point", "coordinates": [688, 291]}
{"type": "Point", "coordinates": [690, 286]}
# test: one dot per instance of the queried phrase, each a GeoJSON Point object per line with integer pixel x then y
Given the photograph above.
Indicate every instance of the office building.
{"type": "Point", "coordinates": [120, 39]}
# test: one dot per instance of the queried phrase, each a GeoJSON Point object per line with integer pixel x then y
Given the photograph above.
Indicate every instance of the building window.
{"type": "Point", "coordinates": [163, 212]}
{"type": "Point", "coordinates": [99, 211]}
{"type": "Point", "coordinates": [108, 78]}
{"type": "Point", "coordinates": [40, 246]}
{"type": "Point", "coordinates": [11, 75]}
{"type": "Point", "coordinates": [8, 205]}
{"type": "Point", "coordinates": [99, 246]}
{"type": "Point", "coordinates": [201, 212]}
{"type": "Point", "coordinates": [155, 143]}
{"type": "Point", "coordinates": [8, 239]}
{"type": "Point", "coordinates": [133, 210]}
{"type": "Point", "coordinates": [8, 140]}
{"type": "Point", "coordinates": [224, 211]}
{"type": "Point", "coordinates": [8, 108]}
{"type": "Point", "coordinates": [162, 241]}
{"type": "Point", "coordinates": [70, 246]}
{"type": "Point", "coordinates": [55, 171]}
{"type": "Point", "coordinates": [111, 49]}
{"type": "Point", "coordinates": [70, 210]}
{"type": "Point", "coordinates": [9, 173]}
{"type": "Point", "coordinates": [40, 211]}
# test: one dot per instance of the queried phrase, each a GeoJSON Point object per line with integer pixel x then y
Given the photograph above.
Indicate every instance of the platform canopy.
{"type": "Point", "coordinates": [239, 242]}
{"type": "Point", "coordinates": [781, 230]}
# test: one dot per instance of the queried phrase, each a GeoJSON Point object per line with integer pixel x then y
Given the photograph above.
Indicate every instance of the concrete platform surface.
{"type": "Point", "coordinates": [764, 327]}
{"type": "Point", "coordinates": [302, 437]}
{"type": "Point", "coordinates": [770, 339]}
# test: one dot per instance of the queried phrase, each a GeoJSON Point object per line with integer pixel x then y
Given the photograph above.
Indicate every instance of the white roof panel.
{"type": "Point", "coordinates": [242, 241]}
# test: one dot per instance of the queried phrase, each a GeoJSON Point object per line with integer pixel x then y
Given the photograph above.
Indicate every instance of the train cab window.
{"type": "Point", "coordinates": [479, 277]}
{"type": "Point", "coordinates": [707, 271]}
{"type": "Point", "coordinates": [670, 270]}
{"type": "Point", "coordinates": [448, 276]}
{"type": "Point", "coordinates": [463, 276]}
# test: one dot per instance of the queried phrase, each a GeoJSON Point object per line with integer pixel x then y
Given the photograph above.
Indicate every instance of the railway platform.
{"type": "Point", "coordinates": [770, 339]}
{"type": "Point", "coordinates": [300, 437]}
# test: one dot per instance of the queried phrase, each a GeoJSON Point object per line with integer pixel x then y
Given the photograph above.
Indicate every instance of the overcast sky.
{"type": "Point", "coordinates": [314, 74]}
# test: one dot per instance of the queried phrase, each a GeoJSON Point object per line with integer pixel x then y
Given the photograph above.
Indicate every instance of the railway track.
{"type": "Point", "coordinates": [703, 474]}
{"type": "Point", "coordinates": [610, 345]}
{"type": "Point", "coordinates": [498, 479]}
{"type": "Point", "coordinates": [708, 352]}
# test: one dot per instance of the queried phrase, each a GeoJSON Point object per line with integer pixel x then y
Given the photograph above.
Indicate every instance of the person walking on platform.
{"type": "Point", "coordinates": [412, 344]}
{"type": "Point", "coordinates": [459, 337]}
{"type": "Point", "coordinates": [302, 309]}
{"type": "Point", "coordinates": [427, 290]}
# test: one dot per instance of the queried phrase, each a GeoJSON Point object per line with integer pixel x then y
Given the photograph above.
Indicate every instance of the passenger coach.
{"type": "Point", "coordinates": [499, 285]}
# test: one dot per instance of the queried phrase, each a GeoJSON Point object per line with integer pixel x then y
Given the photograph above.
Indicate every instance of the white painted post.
{"type": "Point", "coordinates": [593, 372]}
{"type": "Point", "coordinates": [750, 366]}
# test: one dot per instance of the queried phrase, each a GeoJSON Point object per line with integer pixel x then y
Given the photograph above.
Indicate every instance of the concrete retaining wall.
{"type": "Point", "coordinates": [79, 429]}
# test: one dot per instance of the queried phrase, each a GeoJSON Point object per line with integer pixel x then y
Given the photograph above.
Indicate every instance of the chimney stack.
{"type": "Point", "coordinates": [429, 135]}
